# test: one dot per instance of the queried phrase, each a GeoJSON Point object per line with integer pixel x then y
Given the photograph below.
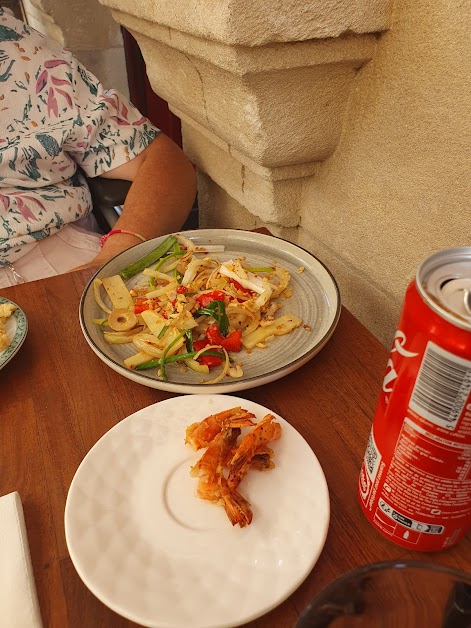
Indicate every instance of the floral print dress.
{"type": "Point", "coordinates": [55, 119]}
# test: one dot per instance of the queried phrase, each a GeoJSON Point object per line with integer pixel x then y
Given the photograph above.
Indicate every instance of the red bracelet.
{"type": "Point", "coordinates": [104, 238]}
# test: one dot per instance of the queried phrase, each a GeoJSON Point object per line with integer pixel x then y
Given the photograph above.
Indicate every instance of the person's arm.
{"type": "Point", "coordinates": [159, 199]}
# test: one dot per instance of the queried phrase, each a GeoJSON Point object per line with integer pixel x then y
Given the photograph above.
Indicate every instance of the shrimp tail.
{"type": "Point", "coordinates": [237, 508]}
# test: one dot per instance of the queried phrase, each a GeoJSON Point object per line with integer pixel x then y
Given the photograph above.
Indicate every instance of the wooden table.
{"type": "Point", "coordinates": [57, 399]}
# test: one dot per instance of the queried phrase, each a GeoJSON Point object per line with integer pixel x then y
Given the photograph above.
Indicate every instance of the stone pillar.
{"type": "Point", "coordinates": [87, 29]}
{"type": "Point", "coordinates": [261, 93]}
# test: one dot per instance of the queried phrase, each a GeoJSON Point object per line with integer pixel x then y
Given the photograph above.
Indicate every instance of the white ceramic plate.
{"type": "Point", "coordinates": [16, 328]}
{"type": "Point", "coordinates": [153, 552]}
{"type": "Point", "coordinates": [315, 300]}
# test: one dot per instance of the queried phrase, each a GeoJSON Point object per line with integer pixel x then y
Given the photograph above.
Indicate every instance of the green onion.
{"type": "Point", "coordinates": [175, 358]}
{"type": "Point", "coordinates": [162, 262]}
{"type": "Point", "coordinates": [163, 331]}
{"type": "Point", "coordinates": [217, 310]}
{"type": "Point", "coordinates": [167, 258]}
{"type": "Point", "coordinates": [265, 269]}
{"type": "Point", "coordinates": [189, 340]}
{"type": "Point", "coordinates": [164, 355]}
{"type": "Point", "coordinates": [147, 260]}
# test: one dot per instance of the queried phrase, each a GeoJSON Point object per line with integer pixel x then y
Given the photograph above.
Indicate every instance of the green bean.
{"type": "Point", "coordinates": [147, 260]}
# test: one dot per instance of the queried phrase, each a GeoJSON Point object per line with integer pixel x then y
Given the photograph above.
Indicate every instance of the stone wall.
{"type": "Point", "coordinates": [343, 126]}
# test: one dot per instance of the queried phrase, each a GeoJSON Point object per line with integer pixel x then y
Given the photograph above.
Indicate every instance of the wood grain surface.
{"type": "Point", "coordinates": [57, 399]}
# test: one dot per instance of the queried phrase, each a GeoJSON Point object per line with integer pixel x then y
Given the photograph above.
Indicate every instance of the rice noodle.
{"type": "Point", "coordinates": [185, 242]}
{"type": "Point", "coordinates": [164, 290]}
{"type": "Point", "coordinates": [283, 276]}
{"type": "Point", "coordinates": [146, 343]}
{"type": "Point", "coordinates": [96, 293]}
{"type": "Point", "coordinates": [226, 365]}
{"type": "Point", "coordinates": [174, 292]}
{"type": "Point", "coordinates": [247, 312]}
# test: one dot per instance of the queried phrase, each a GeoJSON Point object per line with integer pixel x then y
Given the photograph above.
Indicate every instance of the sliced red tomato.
{"type": "Point", "coordinates": [200, 344]}
{"type": "Point", "coordinates": [238, 286]}
{"type": "Point", "coordinates": [181, 289]}
{"type": "Point", "coordinates": [231, 342]}
{"type": "Point", "coordinates": [208, 297]}
{"type": "Point", "coordinates": [209, 360]}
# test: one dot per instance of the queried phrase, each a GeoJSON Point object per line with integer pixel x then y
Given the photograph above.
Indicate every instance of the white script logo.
{"type": "Point", "coordinates": [398, 346]}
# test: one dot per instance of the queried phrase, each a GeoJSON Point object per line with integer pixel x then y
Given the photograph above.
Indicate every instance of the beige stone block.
{"type": "Point", "coordinates": [295, 171]}
{"type": "Point", "coordinates": [282, 117]}
{"type": "Point", "coordinates": [255, 23]}
{"type": "Point", "coordinates": [219, 210]}
{"type": "Point", "coordinates": [272, 201]}
{"type": "Point", "coordinates": [245, 60]}
{"type": "Point", "coordinates": [174, 77]}
{"type": "Point", "coordinates": [254, 116]}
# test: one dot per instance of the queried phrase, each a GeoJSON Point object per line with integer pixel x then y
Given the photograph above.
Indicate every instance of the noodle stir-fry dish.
{"type": "Point", "coordinates": [180, 304]}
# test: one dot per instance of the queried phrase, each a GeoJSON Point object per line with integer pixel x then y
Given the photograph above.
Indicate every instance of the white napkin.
{"type": "Point", "coordinates": [19, 606]}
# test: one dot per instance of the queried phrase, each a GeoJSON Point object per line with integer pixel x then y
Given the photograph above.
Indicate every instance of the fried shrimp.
{"type": "Point", "coordinates": [213, 485]}
{"type": "Point", "coordinates": [200, 434]}
{"type": "Point", "coordinates": [224, 464]}
{"type": "Point", "coordinates": [263, 433]}
{"type": "Point", "coordinates": [237, 507]}
{"type": "Point", "coordinates": [209, 465]}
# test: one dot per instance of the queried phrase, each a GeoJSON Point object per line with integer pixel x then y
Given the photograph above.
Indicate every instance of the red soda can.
{"type": "Point", "coordinates": [415, 479]}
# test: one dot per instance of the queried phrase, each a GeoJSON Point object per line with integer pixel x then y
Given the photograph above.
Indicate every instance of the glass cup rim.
{"type": "Point", "coordinates": [400, 564]}
{"type": "Point", "coordinates": [379, 566]}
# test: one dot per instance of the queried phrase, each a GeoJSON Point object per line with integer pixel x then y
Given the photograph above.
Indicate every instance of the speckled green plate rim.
{"type": "Point", "coordinates": [316, 283]}
{"type": "Point", "coordinates": [20, 333]}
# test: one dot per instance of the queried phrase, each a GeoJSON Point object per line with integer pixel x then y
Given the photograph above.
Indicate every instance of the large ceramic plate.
{"type": "Point", "coordinates": [315, 300]}
{"type": "Point", "coordinates": [150, 550]}
{"type": "Point", "coordinates": [16, 328]}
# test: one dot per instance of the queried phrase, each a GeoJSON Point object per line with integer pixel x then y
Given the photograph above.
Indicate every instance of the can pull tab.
{"type": "Point", "coordinates": [456, 295]}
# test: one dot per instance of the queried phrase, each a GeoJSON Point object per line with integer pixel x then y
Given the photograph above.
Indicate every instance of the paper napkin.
{"type": "Point", "coordinates": [19, 606]}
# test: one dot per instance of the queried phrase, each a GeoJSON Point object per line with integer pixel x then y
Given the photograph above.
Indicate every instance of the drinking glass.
{"type": "Point", "coordinates": [407, 594]}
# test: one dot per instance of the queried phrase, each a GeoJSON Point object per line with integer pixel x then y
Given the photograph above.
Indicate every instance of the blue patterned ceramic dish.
{"type": "Point", "coordinates": [16, 330]}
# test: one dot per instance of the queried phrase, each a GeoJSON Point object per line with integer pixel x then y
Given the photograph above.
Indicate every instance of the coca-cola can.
{"type": "Point", "coordinates": [415, 479]}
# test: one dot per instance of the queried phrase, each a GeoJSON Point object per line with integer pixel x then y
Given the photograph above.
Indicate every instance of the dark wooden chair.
{"type": "Point", "coordinates": [108, 197]}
